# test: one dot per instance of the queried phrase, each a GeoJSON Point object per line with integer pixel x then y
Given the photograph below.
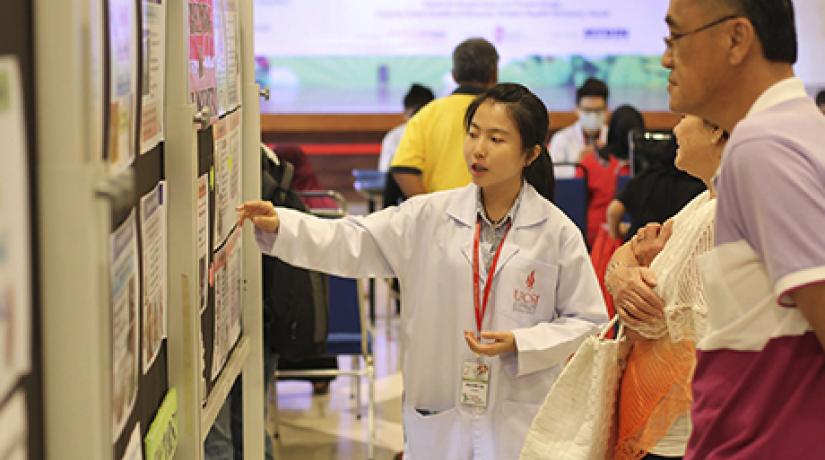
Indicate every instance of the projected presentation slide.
{"type": "Point", "coordinates": [331, 56]}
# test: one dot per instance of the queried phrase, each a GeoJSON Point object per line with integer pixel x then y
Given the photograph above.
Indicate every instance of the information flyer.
{"type": "Point", "coordinates": [227, 54]}
{"type": "Point", "coordinates": [226, 268]}
{"type": "Point", "coordinates": [203, 85]}
{"type": "Point", "coordinates": [203, 241]}
{"type": "Point", "coordinates": [123, 74]}
{"type": "Point", "coordinates": [221, 334]}
{"type": "Point", "coordinates": [224, 210]}
{"type": "Point", "coordinates": [233, 54]}
{"type": "Point", "coordinates": [125, 286]}
{"type": "Point", "coordinates": [15, 250]}
{"type": "Point", "coordinates": [228, 187]}
{"type": "Point", "coordinates": [234, 304]}
{"type": "Point", "coordinates": [233, 161]}
{"type": "Point", "coordinates": [153, 236]}
{"type": "Point", "coordinates": [152, 66]}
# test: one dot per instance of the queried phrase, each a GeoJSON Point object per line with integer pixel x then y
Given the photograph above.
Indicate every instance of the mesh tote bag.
{"type": "Point", "coordinates": [577, 420]}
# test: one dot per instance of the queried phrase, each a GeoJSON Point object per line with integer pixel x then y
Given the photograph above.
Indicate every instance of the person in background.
{"type": "Point", "coordinates": [418, 96]}
{"type": "Point", "coordinates": [429, 157]}
{"type": "Point", "coordinates": [760, 371]}
{"type": "Point", "coordinates": [654, 195]}
{"type": "Point", "coordinates": [473, 376]}
{"type": "Point", "coordinates": [603, 166]}
{"type": "Point", "coordinates": [661, 302]}
{"type": "Point", "coordinates": [587, 134]}
{"type": "Point", "coordinates": [820, 101]}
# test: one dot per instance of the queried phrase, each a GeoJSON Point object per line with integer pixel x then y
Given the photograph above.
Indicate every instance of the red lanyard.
{"type": "Point", "coordinates": [481, 308]}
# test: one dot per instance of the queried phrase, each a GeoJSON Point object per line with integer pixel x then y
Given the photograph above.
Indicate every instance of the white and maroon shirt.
{"type": "Point", "coordinates": [759, 386]}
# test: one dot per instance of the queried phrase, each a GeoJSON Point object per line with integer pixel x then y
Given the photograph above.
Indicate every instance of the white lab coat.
{"type": "Point", "coordinates": [427, 243]}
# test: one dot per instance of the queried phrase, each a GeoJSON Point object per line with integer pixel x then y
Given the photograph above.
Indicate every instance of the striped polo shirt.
{"type": "Point", "coordinates": [759, 386]}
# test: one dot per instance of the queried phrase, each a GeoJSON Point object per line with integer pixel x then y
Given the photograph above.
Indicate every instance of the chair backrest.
{"type": "Point", "coordinates": [347, 312]}
{"type": "Point", "coordinates": [371, 180]}
{"type": "Point", "coordinates": [571, 198]}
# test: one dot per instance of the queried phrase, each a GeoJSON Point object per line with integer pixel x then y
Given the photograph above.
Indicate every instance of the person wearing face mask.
{"type": "Point", "coordinates": [587, 134]}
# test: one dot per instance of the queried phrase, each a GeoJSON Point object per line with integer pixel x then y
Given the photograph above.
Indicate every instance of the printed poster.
{"type": "Point", "coordinates": [225, 214]}
{"type": "Point", "coordinates": [220, 53]}
{"type": "Point", "coordinates": [125, 287]}
{"type": "Point", "coordinates": [134, 450]}
{"type": "Point", "coordinates": [232, 47]}
{"type": "Point", "coordinates": [234, 315]}
{"type": "Point", "coordinates": [203, 241]}
{"type": "Point", "coordinates": [14, 433]}
{"type": "Point", "coordinates": [203, 85]}
{"type": "Point", "coordinates": [153, 235]}
{"type": "Point", "coordinates": [228, 186]}
{"type": "Point", "coordinates": [226, 267]}
{"type": "Point", "coordinates": [233, 161]}
{"type": "Point", "coordinates": [227, 43]}
{"type": "Point", "coordinates": [123, 74]}
{"type": "Point", "coordinates": [154, 57]}
{"type": "Point", "coordinates": [15, 252]}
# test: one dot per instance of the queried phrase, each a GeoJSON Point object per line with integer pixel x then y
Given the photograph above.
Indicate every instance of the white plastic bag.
{"type": "Point", "coordinates": [577, 420]}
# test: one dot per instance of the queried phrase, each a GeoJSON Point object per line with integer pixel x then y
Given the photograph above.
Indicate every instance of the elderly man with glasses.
{"type": "Point", "coordinates": [759, 384]}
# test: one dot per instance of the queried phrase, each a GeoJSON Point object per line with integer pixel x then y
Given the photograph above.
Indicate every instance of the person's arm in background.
{"type": "Point", "coordinates": [410, 157]}
{"type": "Point", "coordinates": [615, 226]}
{"type": "Point", "coordinates": [389, 144]}
{"type": "Point", "coordinates": [409, 181]}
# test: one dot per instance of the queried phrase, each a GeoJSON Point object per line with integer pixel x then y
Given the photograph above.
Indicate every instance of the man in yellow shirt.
{"type": "Point", "coordinates": [430, 156]}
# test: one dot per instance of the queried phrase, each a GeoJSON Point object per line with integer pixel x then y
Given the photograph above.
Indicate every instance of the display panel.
{"type": "Point", "coordinates": [326, 56]}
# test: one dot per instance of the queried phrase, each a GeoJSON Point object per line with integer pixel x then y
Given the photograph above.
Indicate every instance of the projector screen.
{"type": "Point", "coordinates": [336, 56]}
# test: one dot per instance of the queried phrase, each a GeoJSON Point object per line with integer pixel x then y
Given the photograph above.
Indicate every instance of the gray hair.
{"type": "Point", "coordinates": [475, 60]}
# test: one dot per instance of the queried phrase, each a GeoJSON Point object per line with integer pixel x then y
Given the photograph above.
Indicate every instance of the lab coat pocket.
{"type": "Point", "coordinates": [527, 291]}
{"type": "Point", "coordinates": [514, 421]}
{"type": "Point", "coordinates": [426, 433]}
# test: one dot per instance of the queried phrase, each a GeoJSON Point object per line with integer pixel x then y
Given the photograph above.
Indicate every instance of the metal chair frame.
{"type": "Point", "coordinates": [366, 355]}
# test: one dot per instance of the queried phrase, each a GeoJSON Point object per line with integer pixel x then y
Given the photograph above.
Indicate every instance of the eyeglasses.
{"type": "Point", "coordinates": [671, 39]}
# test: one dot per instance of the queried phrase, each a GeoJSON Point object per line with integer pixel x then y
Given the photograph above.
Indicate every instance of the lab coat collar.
{"type": "Point", "coordinates": [532, 209]}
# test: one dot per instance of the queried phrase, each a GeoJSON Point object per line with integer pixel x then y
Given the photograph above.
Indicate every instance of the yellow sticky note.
{"type": "Point", "coordinates": [212, 178]}
{"type": "Point", "coordinates": [229, 162]}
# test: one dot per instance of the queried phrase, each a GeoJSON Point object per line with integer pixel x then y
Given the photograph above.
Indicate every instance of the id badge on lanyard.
{"type": "Point", "coordinates": [475, 374]}
{"type": "Point", "coordinates": [475, 383]}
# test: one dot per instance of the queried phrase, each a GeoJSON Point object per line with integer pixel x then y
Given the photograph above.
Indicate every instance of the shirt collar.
{"type": "Point", "coordinates": [785, 90]}
{"type": "Point", "coordinates": [509, 217]}
{"type": "Point", "coordinates": [469, 90]}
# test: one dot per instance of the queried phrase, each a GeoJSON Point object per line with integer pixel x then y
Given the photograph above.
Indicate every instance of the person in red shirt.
{"type": "Point", "coordinates": [601, 167]}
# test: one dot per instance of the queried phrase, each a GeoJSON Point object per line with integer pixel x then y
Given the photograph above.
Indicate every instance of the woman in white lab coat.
{"type": "Point", "coordinates": [467, 397]}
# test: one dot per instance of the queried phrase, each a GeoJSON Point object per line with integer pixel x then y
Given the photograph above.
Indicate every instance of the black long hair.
{"type": "Point", "coordinates": [623, 120]}
{"type": "Point", "coordinates": [533, 121]}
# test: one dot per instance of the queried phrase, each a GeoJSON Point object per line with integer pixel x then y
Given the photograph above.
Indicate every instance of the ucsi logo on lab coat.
{"type": "Point", "coordinates": [526, 301]}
